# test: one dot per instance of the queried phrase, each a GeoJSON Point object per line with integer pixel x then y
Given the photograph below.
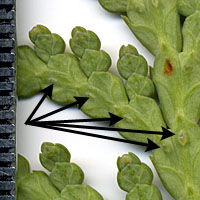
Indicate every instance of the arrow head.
{"type": "Point", "coordinates": [27, 122]}
{"type": "Point", "coordinates": [114, 119]}
{"type": "Point", "coordinates": [81, 101]}
{"type": "Point", "coordinates": [30, 123]}
{"type": "Point", "coordinates": [151, 145]}
{"type": "Point", "coordinates": [48, 90]}
{"type": "Point", "coordinates": [166, 133]}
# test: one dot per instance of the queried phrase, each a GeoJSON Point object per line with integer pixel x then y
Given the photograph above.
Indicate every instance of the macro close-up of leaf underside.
{"type": "Point", "coordinates": [147, 98]}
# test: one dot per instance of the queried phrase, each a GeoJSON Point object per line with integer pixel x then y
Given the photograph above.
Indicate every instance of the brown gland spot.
{"type": "Point", "coordinates": [165, 148]}
{"type": "Point", "coordinates": [168, 68]}
{"type": "Point", "coordinates": [182, 138]}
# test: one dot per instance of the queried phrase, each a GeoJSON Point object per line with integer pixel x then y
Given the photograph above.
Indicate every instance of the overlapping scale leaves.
{"type": "Point", "coordinates": [136, 178]}
{"type": "Point", "coordinates": [84, 73]}
{"type": "Point", "coordinates": [175, 75]}
{"type": "Point", "coordinates": [63, 182]}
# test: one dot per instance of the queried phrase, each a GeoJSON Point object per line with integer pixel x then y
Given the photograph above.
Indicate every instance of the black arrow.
{"type": "Point", "coordinates": [150, 145]}
{"type": "Point", "coordinates": [79, 101]}
{"type": "Point", "coordinates": [47, 92]}
{"type": "Point", "coordinates": [113, 119]}
{"type": "Point", "coordinates": [165, 133]}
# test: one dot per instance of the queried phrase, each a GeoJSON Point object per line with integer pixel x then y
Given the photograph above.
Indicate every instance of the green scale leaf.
{"type": "Point", "coordinates": [66, 177]}
{"type": "Point", "coordinates": [167, 77]}
{"type": "Point", "coordinates": [126, 159]}
{"type": "Point", "coordinates": [65, 74]}
{"type": "Point", "coordinates": [176, 77]}
{"type": "Point", "coordinates": [37, 30]}
{"type": "Point", "coordinates": [66, 174]}
{"type": "Point", "coordinates": [134, 174]}
{"type": "Point", "coordinates": [130, 62]}
{"type": "Point", "coordinates": [177, 161]}
{"type": "Point", "coordinates": [48, 45]}
{"type": "Point", "coordinates": [190, 63]}
{"type": "Point", "coordinates": [45, 43]}
{"type": "Point", "coordinates": [82, 40]}
{"type": "Point", "coordinates": [23, 168]}
{"type": "Point", "coordinates": [29, 67]}
{"type": "Point", "coordinates": [115, 6]}
{"type": "Point", "coordinates": [152, 31]}
{"type": "Point", "coordinates": [144, 192]}
{"type": "Point", "coordinates": [141, 85]}
{"type": "Point", "coordinates": [93, 60]}
{"type": "Point", "coordinates": [36, 186]}
{"type": "Point", "coordinates": [191, 34]}
{"type": "Point", "coordinates": [105, 92]}
{"type": "Point", "coordinates": [80, 192]}
{"type": "Point", "coordinates": [52, 153]}
{"type": "Point", "coordinates": [142, 113]}
{"type": "Point", "coordinates": [136, 178]}
{"type": "Point", "coordinates": [188, 7]}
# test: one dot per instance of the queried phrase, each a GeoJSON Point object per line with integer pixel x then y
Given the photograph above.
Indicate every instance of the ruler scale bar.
{"type": "Point", "coordinates": [7, 100]}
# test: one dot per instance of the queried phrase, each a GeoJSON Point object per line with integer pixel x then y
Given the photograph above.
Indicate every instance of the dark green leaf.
{"type": "Point", "coordinates": [64, 174]}
{"type": "Point", "coordinates": [80, 192]}
{"type": "Point", "coordinates": [36, 31]}
{"type": "Point", "coordinates": [116, 6]}
{"type": "Point", "coordinates": [65, 74]}
{"type": "Point", "coordinates": [130, 62]}
{"type": "Point", "coordinates": [29, 68]}
{"type": "Point", "coordinates": [126, 159]}
{"type": "Point", "coordinates": [142, 113]}
{"type": "Point", "coordinates": [47, 45]}
{"type": "Point", "coordinates": [95, 61]}
{"type": "Point", "coordinates": [105, 91]}
{"type": "Point", "coordinates": [141, 85]}
{"type": "Point", "coordinates": [36, 186]}
{"type": "Point", "coordinates": [155, 22]}
{"type": "Point", "coordinates": [82, 40]}
{"type": "Point", "coordinates": [52, 153]}
{"type": "Point", "coordinates": [133, 174]}
{"type": "Point", "coordinates": [23, 167]}
{"type": "Point", "coordinates": [144, 192]}
{"type": "Point", "coordinates": [188, 7]}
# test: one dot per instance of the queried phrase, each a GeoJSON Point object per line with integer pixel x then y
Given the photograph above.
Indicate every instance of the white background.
{"type": "Point", "coordinates": [96, 157]}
